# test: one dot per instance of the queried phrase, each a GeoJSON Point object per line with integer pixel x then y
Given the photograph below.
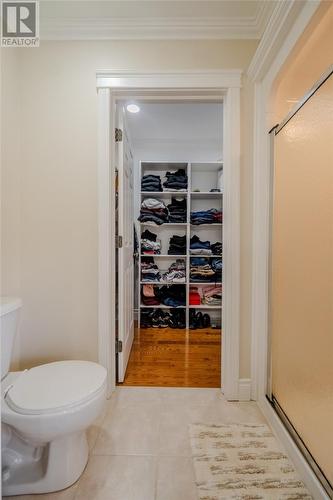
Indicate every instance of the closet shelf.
{"type": "Point", "coordinates": [205, 283]}
{"type": "Point", "coordinates": [162, 306]}
{"type": "Point", "coordinates": [166, 224]}
{"type": "Point", "coordinates": [166, 256]}
{"type": "Point", "coordinates": [162, 283]}
{"type": "Point", "coordinates": [164, 194]}
{"type": "Point", "coordinates": [204, 306]}
{"type": "Point", "coordinates": [205, 194]}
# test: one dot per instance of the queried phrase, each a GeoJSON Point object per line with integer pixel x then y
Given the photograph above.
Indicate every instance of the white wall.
{"type": "Point", "coordinates": [53, 223]}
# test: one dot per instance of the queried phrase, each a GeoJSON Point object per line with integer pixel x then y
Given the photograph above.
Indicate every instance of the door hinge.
{"type": "Point", "coordinates": [119, 241]}
{"type": "Point", "coordinates": [118, 135]}
{"type": "Point", "coordinates": [119, 346]}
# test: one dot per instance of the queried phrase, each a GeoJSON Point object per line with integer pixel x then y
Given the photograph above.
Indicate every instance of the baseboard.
{"type": "Point", "coordinates": [244, 389]}
{"type": "Point", "coordinates": [303, 468]}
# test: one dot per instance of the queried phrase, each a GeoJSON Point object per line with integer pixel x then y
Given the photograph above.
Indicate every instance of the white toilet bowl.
{"type": "Point", "coordinates": [45, 413]}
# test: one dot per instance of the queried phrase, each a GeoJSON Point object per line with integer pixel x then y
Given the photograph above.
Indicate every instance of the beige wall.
{"type": "Point", "coordinates": [55, 235]}
{"type": "Point", "coordinates": [310, 58]}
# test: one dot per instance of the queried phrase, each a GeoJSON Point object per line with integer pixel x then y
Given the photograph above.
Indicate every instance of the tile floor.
{"type": "Point", "coordinates": [140, 449]}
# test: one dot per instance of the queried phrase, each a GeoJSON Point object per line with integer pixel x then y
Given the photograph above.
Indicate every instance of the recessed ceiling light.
{"type": "Point", "coordinates": [133, 108]}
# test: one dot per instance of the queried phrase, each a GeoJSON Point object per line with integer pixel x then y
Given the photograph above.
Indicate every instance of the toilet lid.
{"type": "Point", "coordinates": [55, 386]}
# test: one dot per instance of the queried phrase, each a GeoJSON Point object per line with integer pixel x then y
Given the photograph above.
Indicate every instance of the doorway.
{"type": "Point", "coordinates": [170, 191]}
{"type": "Point", "coordinates": [180, 86]}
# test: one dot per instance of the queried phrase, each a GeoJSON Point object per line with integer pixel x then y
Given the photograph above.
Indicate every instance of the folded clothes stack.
{"type": "Point", "coordinates": [177, 245]}
{"type": "Point", "coordinates": [149, 270]}
{"type": "Point", "coordinates": [211, 216]}
{"type": "Point", "coordinates": [177, 210]}
{"type": "Point", "coordinates": [149, 243]}
{"type": "Point", "coordinates": [203, 270]}
{"type": "Point", "coordinates": [151, 183]}
{"type": "Point", "coordinates": [176, 272]}
{"type": "Point", "coordinates": [171, 295]}
{"type": "Point", "coordinates": [175, 181]}
{"type": "Point", "coordinates": [148, 295]}
{"type": "Point", "coordinates": [157, 318]}
{"type": "Point", "coordinates": [211, 296]}
{"type": "Point", "coordinates": [154, 211]}
{"type": "Point", "coordinates": [198, 247]}
{"type": "Point", "coordinates": [195, 299]}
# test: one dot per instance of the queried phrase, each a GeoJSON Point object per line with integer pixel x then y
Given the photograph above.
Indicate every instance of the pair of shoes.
{"type": "Point", "coordinates": [177, 318]}
{"type": "Point", "coordinates": [199, 320]}
{"type": "Point", "coordinates": [160, 319]}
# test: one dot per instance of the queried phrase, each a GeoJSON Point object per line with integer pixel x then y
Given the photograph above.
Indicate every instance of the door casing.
{"type": "Point", "coordinates": [198, 86]}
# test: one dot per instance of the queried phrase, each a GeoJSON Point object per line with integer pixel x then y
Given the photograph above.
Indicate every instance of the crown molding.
{"type": "Point", "coordinates": [281, 20]}
{"type": "Point", "coordinates": [148, 28]}
{"type": "Point", "coordinates": [205, 79]}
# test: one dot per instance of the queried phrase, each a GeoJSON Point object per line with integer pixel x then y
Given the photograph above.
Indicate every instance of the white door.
{"type": "Point", "coordinates": [125, 244]}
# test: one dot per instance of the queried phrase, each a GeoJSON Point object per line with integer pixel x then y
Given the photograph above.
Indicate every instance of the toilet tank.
{"type": "Point", "coordinates": [9, 312]}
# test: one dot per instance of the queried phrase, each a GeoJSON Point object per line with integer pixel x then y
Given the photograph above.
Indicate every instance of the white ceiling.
{"type": "Point", "coordinates": [175, 123]}
{"type": "Point", "coordinates": [154, 19]}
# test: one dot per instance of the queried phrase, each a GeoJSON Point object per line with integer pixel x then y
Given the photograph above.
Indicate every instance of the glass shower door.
{"type": "Point", "coordinates": [301, 291]}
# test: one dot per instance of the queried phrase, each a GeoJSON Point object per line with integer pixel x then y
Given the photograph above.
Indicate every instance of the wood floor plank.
{"type": "Point", "coordinates": [175, 358]}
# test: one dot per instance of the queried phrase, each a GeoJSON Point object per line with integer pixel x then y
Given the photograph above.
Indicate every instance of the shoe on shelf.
{"type": "Point", "coordinates": [206, 321]}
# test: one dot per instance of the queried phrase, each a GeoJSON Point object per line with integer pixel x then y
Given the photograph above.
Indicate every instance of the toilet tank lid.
{"type": "Point", "coordinates": [9, 304]}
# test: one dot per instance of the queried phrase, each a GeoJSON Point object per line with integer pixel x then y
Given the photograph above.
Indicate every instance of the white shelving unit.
{"type": "Point", "coordinates": [202, 176]}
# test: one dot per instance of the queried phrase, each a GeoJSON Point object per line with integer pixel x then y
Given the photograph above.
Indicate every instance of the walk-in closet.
{"type": "Point", "coordinates": [175, 159]}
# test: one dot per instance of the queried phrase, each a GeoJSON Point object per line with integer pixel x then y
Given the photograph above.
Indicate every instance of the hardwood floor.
{"type": "Point", "coordinates": [175, 358]}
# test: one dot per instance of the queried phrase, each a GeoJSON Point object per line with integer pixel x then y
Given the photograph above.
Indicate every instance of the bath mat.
{"type": "Point", "coordinates": [242, 462]}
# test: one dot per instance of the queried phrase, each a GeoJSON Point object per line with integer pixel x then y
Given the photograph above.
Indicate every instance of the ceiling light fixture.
{"type": "Point", "coordinates": [133, 108]}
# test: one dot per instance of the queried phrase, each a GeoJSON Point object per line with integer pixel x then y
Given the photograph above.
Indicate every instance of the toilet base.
{"type": "Point", "coordinates": [28, 469]}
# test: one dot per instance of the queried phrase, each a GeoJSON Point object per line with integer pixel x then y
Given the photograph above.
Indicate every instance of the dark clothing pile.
{"type": "Point", "coordinates": [172, 296]}
{"type": "Point", "coordinates": [177, 245]}
{"type": "Point", "coordinates": [151, 183]}
{"type": "Point", "coordinates": [153, 210]}
{"type": "Point", "coordinates": [149, 270]}
{"type": "Point", "coordinates": [177, 210]}
{"type": "Point", "coordinates": [211, 216]}
{"type": "Point", "coordinates": [159, 318]}
{"type": "Point", "coordinates": [198, 247]}
{"type": "Point", "coordinates": [176, 181]}
{"type": "Point", "coordinates": [216, 248]}
{"type": "Point", "coordinates": [205, 270]}
{"type": "Point", "coordinates": [149, 243]}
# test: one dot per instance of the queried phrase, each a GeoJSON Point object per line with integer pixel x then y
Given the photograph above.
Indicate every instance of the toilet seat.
{"type": "Point", "coordinates": [55, 387]}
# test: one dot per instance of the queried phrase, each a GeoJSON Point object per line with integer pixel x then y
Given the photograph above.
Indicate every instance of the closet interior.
{"type": "Point", "coordinates": [178, 220]}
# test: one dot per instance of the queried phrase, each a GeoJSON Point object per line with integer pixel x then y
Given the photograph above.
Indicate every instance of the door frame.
{"type": "Point", "coordinates": [176, 85]}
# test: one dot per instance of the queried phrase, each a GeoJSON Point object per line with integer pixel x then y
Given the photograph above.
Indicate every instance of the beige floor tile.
{"type": "Point", "coordinates": [173, 435]}
{"type": "Point", "coordinates": [191, 397]}
{"type": "Point", "coordinates": [133, 396]}
{"type": "Point", "coordinates": [118, 478]}
{"type": "Point", "coordinates": [130, 430]}
{"type": "Point", "coordinates": [175, 479]}
{"type": "Point", "coordinates": [67, 494]}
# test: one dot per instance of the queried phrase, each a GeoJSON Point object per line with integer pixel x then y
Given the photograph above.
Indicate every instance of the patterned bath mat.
{"type": "Point", "coordinates": [242, 462]}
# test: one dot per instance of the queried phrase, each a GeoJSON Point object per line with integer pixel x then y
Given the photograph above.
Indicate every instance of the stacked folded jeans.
{"type": "Point", "coordinates": [151, 183]}
{"type": "Point", "coordinates": [211, 216]}
{"type": "Point", "coordinates": [202, 270]}
{"type": "Point", "coordinates": [177, 245]}
{"type": "Point", "coordinates": [176, 272]}
{"type": "Point", "coordinates": [198, 247]}
{"type": "Point", "coordinates": [149, 296]}
{"type": "Point", "coordinates": [175, 181]}
{"type": "Point", "coordinates": [177, 210]}
{"type": "Point", "coordinates": [195, 299]}
{"type": "Point", "coordinates": [171, 295]}
{"type": "Point", "coordinates": [154, 211]}
{"type": "Point", "coordinates": [212, 296]}
{"type": "Point", "coordinates": [157, 318]}
{"type": "Point", "coordinates": [216, 248]}
{"type": "Point", "coordinates": [149, 243]}
{"type": "Point", "coordinates": [149, 270]}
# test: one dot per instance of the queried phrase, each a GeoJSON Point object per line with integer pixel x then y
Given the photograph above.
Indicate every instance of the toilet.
{"type": "Point", "coordinates": [45, 412]}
